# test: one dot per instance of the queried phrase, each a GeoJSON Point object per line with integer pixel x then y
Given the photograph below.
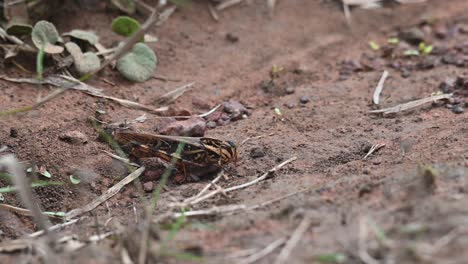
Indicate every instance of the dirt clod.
{"type": "Point", "coordinates": [457, 109]}
{"type": "Point", "coordinates": [290, 90]}
{"type": "Point", "coordinates": [257, 152]}
{"type": "Point", "coordinates": [193, 127]}
{"type": "Point", "coordinates": [235, 109]}
{"type": "Point", "coordinates": [304, 99]}
{"type": "Point", "coordinates": [13, 132]}
{"type": "Point", "coordinates": [232, 38]}
{"type": "Point", "coordinates": [413, 35]}
{"type": "Point", "coordinates": [211, 124]}
{"type": "Point", "coordinates": [148, 186]}
{"type": "Point", "coordinates": [74, 137]}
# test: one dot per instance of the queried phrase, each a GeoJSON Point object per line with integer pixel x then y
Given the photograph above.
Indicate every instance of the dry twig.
{"type": "Point", "coordinates": [264, 252]}
{"type": "Point", "coordinates": [227, 3]}
{"type": "Point", "coordinates": [412, 104]}
{"type": "Point", "coordinates": [171, 96]}
{"type": "Point", "coordinates": [374, 148]}
{"type": "Point", "coordinates": [242, 186]}
{"type": "Point", "coordinates": [378, 89]}
{"type": "Point", "coordinates": [293, 240]}
{"type": "Point", "coordinates": [105, 196]}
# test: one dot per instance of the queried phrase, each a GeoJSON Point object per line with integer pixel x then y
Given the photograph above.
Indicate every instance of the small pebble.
{"type": "Point", "coordinates": [148, 186]}
{"type": "Point", "coordinates": [74, 137]}
{"type": "Point", "coordinates": [13, 132]}
{"type": "Point", "coordinates": [211, 124]}
{"type": "Point", "coordinates": [304, 99]}
{"type": "Point", "coordinates": [405, 74]}
{"type": "Point", "coordinates": [457, 109]}
{"type": "Point", "coordinates": [257, 152]}
{"type": "Point", "coordinates": [290, 105]}
{"type": "Point", "coordinates": [232, 38]}
{"type": "Point", "coordinates": [290, 90]}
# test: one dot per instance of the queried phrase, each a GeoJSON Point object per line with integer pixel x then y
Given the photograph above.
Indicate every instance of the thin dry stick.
{"type": "Point", "coordinates": [174, 94]}
{"type": "Point", "coordinates": [374, 148]}
{"type": "Point", "coordinates": [212, 211]}
{"type": "Point", "coordinates": [53, 228]}
{"type": "Point", "coordinates": [293, 240]}
{"type": "Point", "coordinates": [124, 160]}
{"type": "Point", "coordinates": [213, 12]}
{"type": "Point", "coordinates": [16, 169]}
{"type": "Point", "coordinates": [227, 4]}
{"type": "Point", "coordinates": [44, 100]}
{"type": "Point", "coordinates": [271, 6]}
{"type": "Point", "coordinates": [22, 211]}
{"type": "Point", "coordinates": [105, 196]}
{"type": "Point", "coordinates": [257, 137]}
{"type": "Point", "coordinates": [210, 111]}
{"type": "Point", "coordinates": [207, 187]}
{"type": "Point", "coordinates": [264, 252]}
{"type": "Point", "coordinates": [412, 104]}
{"type": "Point", "coordinates": [379, 87]}
{"type": "Point", "coordinates": [245, 185]}
{"type": "Point", "coordinates": [128, 45]}
{"type": "Point", "coordinates": [363, 255]}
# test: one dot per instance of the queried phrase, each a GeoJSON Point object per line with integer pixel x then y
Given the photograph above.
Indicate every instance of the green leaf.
{"type": "Point", "coordinates": [74, 179]}
{"type": "Point", "coordinates": [181, 3]}
{"type": "Point", "coordinates": [84, 35]}
{"type": "Point", "coordinates": [33, 185]}
{"type": "Point", "coordinates": [373, 45]}
{"type": "Point", "coordinates": [84, 63]}
{"type": "Point", "coordinates": [58, 214]}
{"type": "Point", "coordinates": [125, 26]}
{"type": "Point", "coordinates": [19, 29]}
{"type": "Point", "coordinates": [330, 258]}
{"type": "Point", "coordinates": [127, 6]}
{"type": "Point", "coordinates": [46, 174]}
{"type": "Point", "coordinates": [139, 64]}
{"type": "Point", "coordinates": [411, 52]}
{"type": "Point", "coordinates": [393, 40]}
{"type": "Point", "coordinates": [44, 34]}
{"type": "Point", "coordinates": [278, 111]}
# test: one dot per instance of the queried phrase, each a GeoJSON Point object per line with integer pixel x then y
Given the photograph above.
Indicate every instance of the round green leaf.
{"type": "Point", "coordinates": [127, 6]}
{"type": "Point", "coordinates": [125, 26]}
{"type": "Point", "coordinates": [19, 29]}
{"type": "Point", "coordinates": [84, 63]}
{"type": "Point", "coordinates": [74, 180]}
{"type": "Point", "coordinates": [45, 35]}
{"type": "Point", "coordinates": [87, 36]}
{"type": "Point", "coordinates": [139, 64]}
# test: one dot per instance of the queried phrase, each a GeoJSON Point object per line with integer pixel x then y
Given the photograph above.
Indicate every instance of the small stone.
{"type": "Point", "coordinates": [13, 132]}
{"type": "Point", "coordinates": [291, 105]}
{"type": "Point", "coordinates": [232, 38]}
{"type": "Point", "coordinates": [405, 73]}
{"type": "Point", "coordinates": [304, 99]}
{"type": "Point", "coordinates": [290, 90]}
{"type": "Point", "coordinates": [201, 103]}
{"type": "Point", "coordinates": [211, 124]}
{"type": "Point", "coordinates": [412, 36]}
{"type": "Point", "coordinates": [193, 127]}
{"type": "Point", "coordinates": [74, 137]}
{"type": "Point", "coordinates": [457, 109]}
{"type": "Point", "coordinates": [257, 152]}
{"type": "Point", "coordinates": [446, 86]}
{"type": "Point", "coordinates": [148, 186]}
{"type": "Point", "coordinates": [235, 109]}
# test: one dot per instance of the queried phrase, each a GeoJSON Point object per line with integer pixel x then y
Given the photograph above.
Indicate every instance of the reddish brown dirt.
{"type": "Point", "coordinates": [330, 134]}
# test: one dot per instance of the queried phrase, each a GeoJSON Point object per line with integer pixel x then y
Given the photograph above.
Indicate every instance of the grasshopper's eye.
{"type": "Point", "coordinates": [232, 144]}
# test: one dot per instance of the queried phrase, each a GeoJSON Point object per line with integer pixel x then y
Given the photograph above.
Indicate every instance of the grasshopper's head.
{"type": "Point", "coordinates": [232, 150]}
